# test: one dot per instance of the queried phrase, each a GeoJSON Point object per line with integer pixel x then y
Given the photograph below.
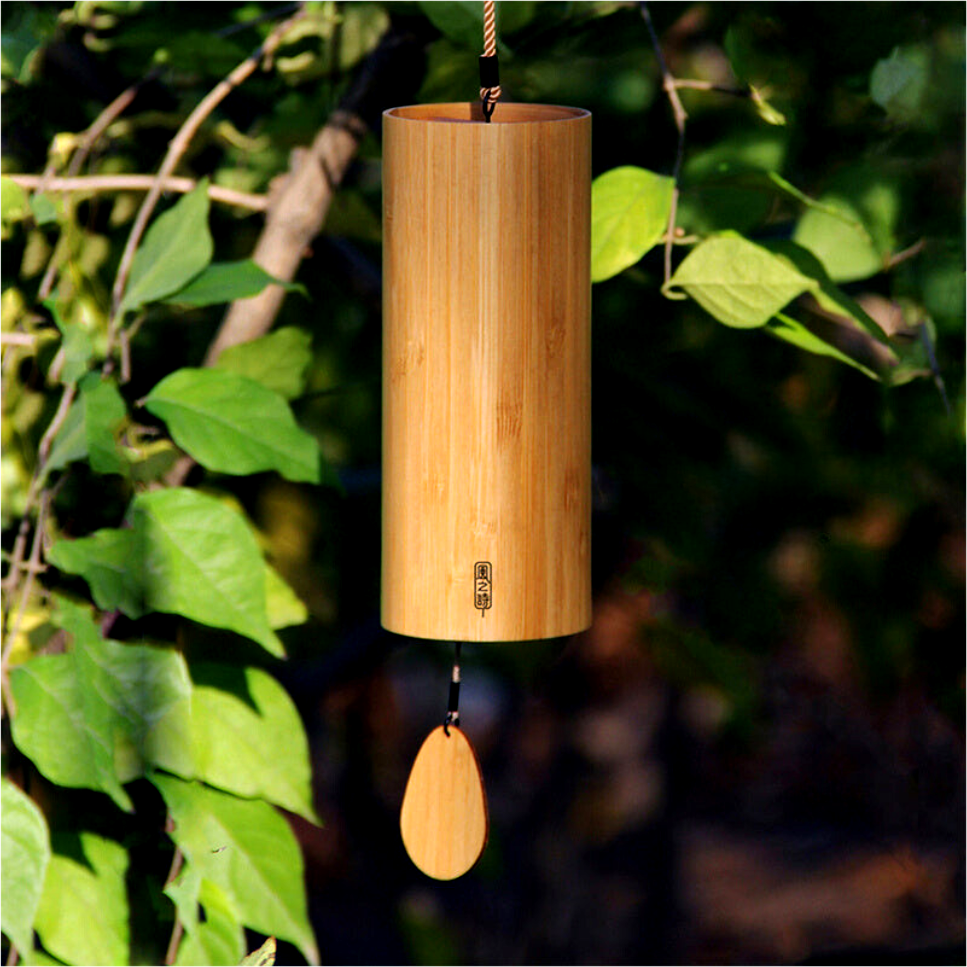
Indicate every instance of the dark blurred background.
{"type": "Point", "coordinates": [756, 754]}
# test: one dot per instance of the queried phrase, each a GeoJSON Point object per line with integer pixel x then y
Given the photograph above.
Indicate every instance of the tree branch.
{"type": "Point", "coordinates": [297, 213]}
{"type": "Point", "coordinates": [102, 183]}
{"type": "Point", "coordinates": [293, 221]}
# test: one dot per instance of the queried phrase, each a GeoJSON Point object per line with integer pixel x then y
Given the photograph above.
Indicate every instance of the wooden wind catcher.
{"type": "Point", "coordinates": [486, 406]}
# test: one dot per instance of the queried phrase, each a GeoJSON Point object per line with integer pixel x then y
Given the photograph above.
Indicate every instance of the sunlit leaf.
{"type": "Point", "coordinates": [219, 938]}
{"type": "Point", "coordinates": [175, 249]}
{"type": "Point", "coordinates": [856, 242]}
{"type": "Point", "coordinates": [247, 737]}
{"type": "Point", "coordinates": [284, 607]}
{"type": "Point", "coordinates": [97, 716]}
{"type": "Point", "coordinates": [83, 916]}
{"type": "Point", "coordinates": [234, 425]}
{"type": "Point", "coordinates": [792, 331]}
{"type": "Point", "coordinates": [629, 215]}
{"type": "Point", "coordinates": [248, 849]}
{"type": "Point", "coordinates": [226, 281]}
{"type": "Point", "coordinates": [109, 560]}
{"type": "Point", "coordinates": [201, 560]}
{"type": "Point", "coordinates": [279, 361]}
{"type": "Point", "coordinates": [263, 957]}
{"type": "Point", "coordinates": [24, 854]}
{"type": "Point", "coordinates": [738, 282]}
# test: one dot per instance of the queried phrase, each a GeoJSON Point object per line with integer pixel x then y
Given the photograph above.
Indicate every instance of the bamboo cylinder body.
{"type": "Point", "coordinates": [486, 372]}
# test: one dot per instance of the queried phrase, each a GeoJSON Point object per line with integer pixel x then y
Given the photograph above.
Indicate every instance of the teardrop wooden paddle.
{"type": "Point", "coordinates": [444, 814]}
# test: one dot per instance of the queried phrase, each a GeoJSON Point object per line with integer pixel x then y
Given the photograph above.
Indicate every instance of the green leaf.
{"type": "Point", "coordinates": [856, 242]}
{"type": "Point", "coordinates": [104, 412]}
{"type": "Point", "coordinates": [83, 915]}
{"type": "Point", "coordinates": [899, 82]}
{"type": "Point", "coordinates": [77, 345]}
{"type": "Point", "coordinates": [227, 281]}
{"type": "Point", "coordinates": [724, 187]}
{"type": "Point", "coordinates": [462, 20]}
{"type": "Point", "coordinates": [211, 583]}
{"type": "Point", "coordinates": [793, 331]}
{"type": "Point", "coordinates": [279, 361]}
{"type": "Point", "coordinates": [24, 854]}
{"type": "Point", "coordinates": [110, 562]}
{"type": "Point", "coordinates": [248, 849]}
{"type": "Point", "coordinates": [263, 957]}
{"type": "Point", "coordinates": [98, 716]}
{"type": "Point", "coordinates": [43, 209]}
{"type": "Point", "coordinates": [830, 298]}
{"type": "Point", "coordinates": [14, 204]}
{"type": "Point", "coordinates": [234, 425]}
{"type": "Point", "coordinates": [738, 282]}
{"type": "Point", "coordinates": [70, 443]}
{"type": "Point", "coordinates": [184, 892]}
{"type": "Point", "coordinates": [284, 607]}
{"type": "Point", "coordinates": [766, 111]}
{"type": "Point", "coordinates": [175, 249]}
{"type": "Point", "coordinates": [247, 737]}
{"type": "Point", "coordinates": [26, 30]}
{"type": "Point", "coordinates": [629, 215]}
{"type": "Point", "coordinates": [201, 560]}
{"type": "Point", "coordinates": [220, 938]}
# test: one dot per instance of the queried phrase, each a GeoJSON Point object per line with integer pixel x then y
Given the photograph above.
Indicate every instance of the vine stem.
{"type": "Point", "coordinates": [17, 567]}
{"type": "Point", "coordinates": [670, 86]}
{"type": "Point", "coordinates": [32, 569]}
{"type": "Point", "coordinates": [176, 149]}
{"type": "Point", "coordinates": [102, 183]}
{"type": "Point", "coordinates": [87, 140]}
{"type": "Point", "coordinates": [178, 930]}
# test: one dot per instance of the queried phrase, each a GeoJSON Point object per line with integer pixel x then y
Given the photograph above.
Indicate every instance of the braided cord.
{"type": "Point", "coordinates": [490, 94]}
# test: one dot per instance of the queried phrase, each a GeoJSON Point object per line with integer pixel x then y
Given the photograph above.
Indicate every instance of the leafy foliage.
{"type": "Point", "coordinates": [179, 519]}
{"type": "Point", "coordinates": [232, 424]}
{"type": "Point", "coordinates": [24, 854]}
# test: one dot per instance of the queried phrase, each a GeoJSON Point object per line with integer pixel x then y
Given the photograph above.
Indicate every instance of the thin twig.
{"type": "Point", "coordinates": [34, 489]}
{"type": "Point", "coordinates": [87, 140]}
{"type": "Point", "coordinates": [104, 183]}
{"type": "Point", "coordinates": [678, 111]}
{"type": "Point", "coordinates": [176, 149]}
{"type": "Point", "coordinates": [908, 253]}
{"type": "Point", "coordinates": [696, 85]}
{"type": "Point", "coordinates": [17, 339]}
{"type": "Point", "coordinates": [179, 928]}
{"type": "Point", "coordinates": [32, 569]}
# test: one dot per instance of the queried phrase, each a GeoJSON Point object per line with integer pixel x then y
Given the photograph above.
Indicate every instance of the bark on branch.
{"type": "Point", "coordinates": [298, 210]}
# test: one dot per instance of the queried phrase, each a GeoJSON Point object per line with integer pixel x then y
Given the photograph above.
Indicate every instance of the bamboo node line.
{"type": "Point", "coordinates": [489, 72]}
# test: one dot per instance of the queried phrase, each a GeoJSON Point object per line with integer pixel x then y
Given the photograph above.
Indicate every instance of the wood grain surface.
{"type": "Point", "coordinates": [444, 814]}
{"type": "Point", "coordinates": [486, 372]}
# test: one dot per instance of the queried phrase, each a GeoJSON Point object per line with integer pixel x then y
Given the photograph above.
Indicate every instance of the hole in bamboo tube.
{"type": "Point", "coordinates": [470, 112]}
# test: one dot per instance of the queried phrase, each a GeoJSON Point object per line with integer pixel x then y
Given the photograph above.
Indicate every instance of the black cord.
{"type": "Point", "coordinates": [453, 702]}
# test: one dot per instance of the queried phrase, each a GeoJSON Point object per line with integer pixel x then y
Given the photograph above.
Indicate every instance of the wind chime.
{"type": "Point", "coordinates": [486, 406]}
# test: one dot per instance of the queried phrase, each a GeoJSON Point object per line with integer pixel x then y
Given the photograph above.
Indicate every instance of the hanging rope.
{"type": "Point", "coordinates": [489, 72]}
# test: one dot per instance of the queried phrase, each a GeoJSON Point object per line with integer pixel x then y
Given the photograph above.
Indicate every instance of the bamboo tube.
{"type": "Point", "coordinates": [486, 372]}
